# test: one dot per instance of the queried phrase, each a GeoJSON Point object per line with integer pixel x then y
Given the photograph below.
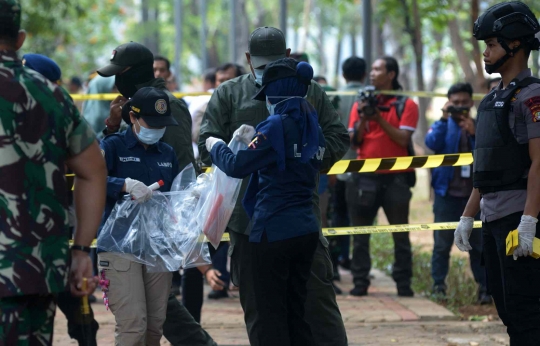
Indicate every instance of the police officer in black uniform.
{"type": "Point", "coordinates": [507, 169]}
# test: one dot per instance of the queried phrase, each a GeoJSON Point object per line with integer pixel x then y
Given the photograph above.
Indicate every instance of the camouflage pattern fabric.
{"type": "Point", "coordinates": [27, 320]}
{"type": "Point", "coordinates": [39, 129]}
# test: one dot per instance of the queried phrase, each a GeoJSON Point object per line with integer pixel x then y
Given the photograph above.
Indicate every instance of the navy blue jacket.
{"type": "Point", "coordinates": [282, 204]}
{"type": "Point", "coordinates": [126, 157]}
{"type": "Point", "coordinates": [443, 138]}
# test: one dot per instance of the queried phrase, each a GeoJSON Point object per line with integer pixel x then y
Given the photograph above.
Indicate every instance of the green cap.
{"type": "Point", "coordinates": [266, 45]}
{"type": "Point", "coordinates": [10, 14]}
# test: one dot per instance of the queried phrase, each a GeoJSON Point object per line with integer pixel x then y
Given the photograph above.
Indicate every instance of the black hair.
{"type": "Point", "coordinates": [299, 56]}
{"type": "Point", "coordinates": [162, 58]}
{"type": "Point", "coordinates": [318, 79]}
{"type": "Point", "coordinates": [9, 32]}
{"type": "Point", "coordinates": [392, 65]}
{"type": "Point", "coordinates": [460, 88]}
{"type": "Point", "coordinates": [354, 69]}
{"type": "Point", "coordinates": [210, 75]}
{"type": "Point", "coordinates": [238, 70]}
{"type": "Point", "coordinates": [77, 81]}
{"type": "Point", "coordinates": [492, 80]}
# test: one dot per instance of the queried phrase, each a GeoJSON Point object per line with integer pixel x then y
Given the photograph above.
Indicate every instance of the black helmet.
{"type": "Point", "coordinates": [507, 20]}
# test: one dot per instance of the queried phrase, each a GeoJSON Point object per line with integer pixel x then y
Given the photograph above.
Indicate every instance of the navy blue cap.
{"type": "Point", "coordinates": [44, 65]}
{"type": "Point", "coordinates": [152, 105]}
{"type": "Point", "coordinates": [284, 68]}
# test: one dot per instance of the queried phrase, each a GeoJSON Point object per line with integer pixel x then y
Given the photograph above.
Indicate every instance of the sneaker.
{"type": "Point", "coordinates": [218, 294]}
{"type": "Point", "coordinates": [439, 292]}
{"type": "Point", "coordinates": [337, 290]}
{"type": "Point", "coordinates": [405, 291]}
{"type": "Point", "coordinates": [359, 291]}
{"type": "Point", "coordinates": [483, 297]}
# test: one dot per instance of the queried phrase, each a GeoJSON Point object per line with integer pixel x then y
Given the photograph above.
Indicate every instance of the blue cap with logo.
{"type": "Point", "coordinates": [152, 105]}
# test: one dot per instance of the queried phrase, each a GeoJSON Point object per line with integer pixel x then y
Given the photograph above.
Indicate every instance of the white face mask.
{"type": "Point", "coordinates": [258, 75]}
{"type": "Point", "coordinates": [149, 136]}
{"type": "Point", "coordinates": [271, 107]}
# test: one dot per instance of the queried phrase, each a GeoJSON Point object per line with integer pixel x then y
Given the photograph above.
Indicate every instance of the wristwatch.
{"type": "Point", "coordinates": [86, 249]}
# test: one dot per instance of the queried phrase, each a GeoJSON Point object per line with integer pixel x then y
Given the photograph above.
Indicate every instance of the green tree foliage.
{"type": "Point", "coordinates": [74, 33]}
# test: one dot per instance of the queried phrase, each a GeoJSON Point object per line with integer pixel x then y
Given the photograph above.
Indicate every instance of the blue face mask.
{"type": "Point", "coordinates": [258, 75]}
{"type": "Point", "coordinates": [149, 136]}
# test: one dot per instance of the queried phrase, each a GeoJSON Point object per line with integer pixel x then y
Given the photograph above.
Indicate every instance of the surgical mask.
{"type": "Point", "coordinates": [259, 72]}
{"type": "Point", "coordinates": [272, 107]}
{"type": "Point", "coordinates": [149, 136]}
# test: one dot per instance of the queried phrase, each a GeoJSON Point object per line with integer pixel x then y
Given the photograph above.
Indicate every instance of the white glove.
{"type": "Point", "coordinates": [211, 141]}
{"type": "Point", "coordinates": [463, 232]}
{"type": "Point", "coordinates": [526, 232]}
{"type": "Point", "coordinates": [138, 191]}
{"type": "Point", "coordinates": [244, 134]}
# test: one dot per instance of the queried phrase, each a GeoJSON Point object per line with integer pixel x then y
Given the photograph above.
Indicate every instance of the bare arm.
{"type": "Point", "coordinates": [89, 195]}
{"type": "Point", "coordinates": [358, 136]}
{"type": "Point", "coordinates": [400, 136]}
{"type": "Point", "coordinates": [473, 205]}
{"type": "Point", "coordinates": [532, 205]}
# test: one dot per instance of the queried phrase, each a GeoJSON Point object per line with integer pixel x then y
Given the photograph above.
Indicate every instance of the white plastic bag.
{"type": "Point", "coordinates": [217, 208]}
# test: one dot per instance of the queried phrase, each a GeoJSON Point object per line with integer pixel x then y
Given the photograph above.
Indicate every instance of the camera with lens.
{"type": "Point", "coordinates": [367, 95]}
{"type": "Point", "coordinates": [457, 112]}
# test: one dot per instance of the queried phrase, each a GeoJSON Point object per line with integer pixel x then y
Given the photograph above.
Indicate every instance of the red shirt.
{"type": "Point", "coordinates": [376, 143]}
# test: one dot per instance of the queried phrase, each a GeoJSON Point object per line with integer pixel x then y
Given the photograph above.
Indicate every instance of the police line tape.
{"type": "Point", "coordinates": [386, 164]}
{"type": "Point", "coordinates": [356, 230]}
{"type": "Point", "coordinates": [421, 94]}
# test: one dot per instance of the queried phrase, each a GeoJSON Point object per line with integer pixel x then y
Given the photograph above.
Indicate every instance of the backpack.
{"type": "Point", "coordinates": [400, 107]}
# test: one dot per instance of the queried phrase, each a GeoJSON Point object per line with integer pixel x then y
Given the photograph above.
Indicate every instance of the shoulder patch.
{"type": "Point", "coordinates": [257, 140]}
{"type": "Point", "coordinates": [534, 106]}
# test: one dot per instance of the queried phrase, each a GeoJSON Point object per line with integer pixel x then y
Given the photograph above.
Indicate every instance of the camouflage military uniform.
{"type": "Point", "coordinates": [39, 129]}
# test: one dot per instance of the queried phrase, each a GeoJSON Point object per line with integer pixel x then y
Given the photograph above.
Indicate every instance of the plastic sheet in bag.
{"type": "Point", "coordinates": [216, 210]}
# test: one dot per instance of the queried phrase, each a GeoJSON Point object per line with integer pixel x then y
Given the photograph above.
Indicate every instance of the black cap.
{"type": "Point", "coordinates": [152, 105]}
{"type": "Point", "coordinates": [508, 20]}
{"type": "Point", "coordinates": [266, 44]}
{"type": "Point", "coordinates": [126, 55]}
{"type": "Point", "coordinates": [284, 68]}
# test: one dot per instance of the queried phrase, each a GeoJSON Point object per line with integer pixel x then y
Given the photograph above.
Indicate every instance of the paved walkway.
{"type": "Point", "coordinates": [381, 318]}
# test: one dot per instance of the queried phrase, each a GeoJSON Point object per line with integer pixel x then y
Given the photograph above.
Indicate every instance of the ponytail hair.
{"type": "Point", "coordinates": [392, 65]}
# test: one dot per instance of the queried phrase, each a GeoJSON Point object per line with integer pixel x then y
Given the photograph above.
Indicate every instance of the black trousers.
{"type": "Point", "coordinates": [192, 292]}
{"type": "Point", "coordinates": [366, 193]}
{"type": "Point", "coordinates": [321, 309]}
{"type": "Point", "coordinates": [514, 285]}
{"type": "Point", "coordinates": [280, 272]}
{"type": "Point", "coordinates": [181, 329]}
{"type": "Point", "coordinates": [84, 332]}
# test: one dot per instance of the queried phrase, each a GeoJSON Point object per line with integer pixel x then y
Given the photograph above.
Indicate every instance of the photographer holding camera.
{"type": "Point", "coordinates": [454, 133]}
{"type": "Point", "coordinates": [382, 126]}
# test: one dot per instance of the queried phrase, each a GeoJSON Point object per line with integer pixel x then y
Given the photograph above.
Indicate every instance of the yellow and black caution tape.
{"type": "Point", "coordinates": [110, 97]}
{"type": "Point", "coordinates": [355, 230]}
{"type": "Point", "coordinates": [400, 163]}
{"type": "Point", "coordinates": [421, 94]}
{"type": "Point", "coordinates": [383, 164]}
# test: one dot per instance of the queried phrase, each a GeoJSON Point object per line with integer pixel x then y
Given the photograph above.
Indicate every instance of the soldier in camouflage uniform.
{"type": "Point", "coordinates": [40, 131]}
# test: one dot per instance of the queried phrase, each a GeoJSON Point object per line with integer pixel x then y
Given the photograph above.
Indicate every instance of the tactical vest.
{"type": "Point", "coordinates": [500, 162]}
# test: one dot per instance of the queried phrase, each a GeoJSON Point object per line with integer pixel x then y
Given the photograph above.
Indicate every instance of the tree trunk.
{"type": "Point", "coordinates": [477, 54]}
{"type": "Point", "coordinates": [414, 31]}
{"type": "Point", "coordinates": [305, 24]}
{"type": "Point", "coordinates": [320, 44]}
{"type": "Point", "coordinates": [462, 55]}
{"type": "Point", "coordinates": [242, 31]}
{"type": "Point", "coordinates": [337, 71]}
{"type": "Point", "coordinates": [353, 34]}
